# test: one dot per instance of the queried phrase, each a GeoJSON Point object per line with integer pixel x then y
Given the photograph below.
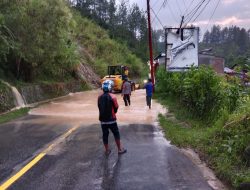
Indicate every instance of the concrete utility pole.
{"type": "Point", "coordinates": [150, 43]}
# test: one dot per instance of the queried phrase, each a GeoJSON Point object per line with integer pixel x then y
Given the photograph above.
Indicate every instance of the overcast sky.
{"type": "Point", "coordinates": [228, 12]}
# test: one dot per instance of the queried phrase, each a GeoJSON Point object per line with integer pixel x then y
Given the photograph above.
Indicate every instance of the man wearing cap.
{"type": "Point", "coordinates": [108, 107]}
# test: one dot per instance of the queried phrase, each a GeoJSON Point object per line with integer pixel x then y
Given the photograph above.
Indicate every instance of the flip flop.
{"type": "Point", "coordinates": [122, 151]}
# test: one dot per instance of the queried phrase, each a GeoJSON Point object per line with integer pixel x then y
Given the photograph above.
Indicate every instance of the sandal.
{"type": "Point", "coordinates": [122, 151]}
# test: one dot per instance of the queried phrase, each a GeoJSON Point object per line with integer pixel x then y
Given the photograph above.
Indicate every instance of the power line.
{"type": "Point", "coordinates": [201, 11]}
{"type": "Point", "coordinates": [155, 4]}
{"type": "Point", "coordinates": [179, 7]}
{"type": "Point", "coordinates": [163, 4]}
{"type": "Point", "coordinates": [173, 15]}
{"type": "Point", "coordinates": [194, 11]}
{"type": "Point", "coordinates": [157, 18]}
{"type": "Point", "coordinates": [212, 14]}
{"type": "Point", "coordinates": [184, 4]}
{"type": "Point", "coordinates": [188, 7]}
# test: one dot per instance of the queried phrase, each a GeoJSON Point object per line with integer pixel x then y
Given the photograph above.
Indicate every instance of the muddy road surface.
{"type": "Point", "coordinates": [58, 146]}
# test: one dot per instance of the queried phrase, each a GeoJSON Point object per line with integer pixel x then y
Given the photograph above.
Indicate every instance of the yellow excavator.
{"type": "Point", "coordinates": [117, 74]}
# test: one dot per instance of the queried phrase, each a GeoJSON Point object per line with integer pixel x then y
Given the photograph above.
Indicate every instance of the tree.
{"type": "Point", "coordinates": [206, 38]}
{"type": "Point", "coordinates": [215, 34]}
{"type": "Point", "coordinates": [229, 42]}
{"type": "Point", "coordinates": [134, 19]}
{"type": "Point", "coordinates": [125, 24]}
{"type": "Point", "coordinates": [112, 19]}
{"type": "Point", "coordinates": [243, 41]}
{"type": "Point", "coordinates": [6, 39]}
{"type": "Point", "coordinates": [42, 31]}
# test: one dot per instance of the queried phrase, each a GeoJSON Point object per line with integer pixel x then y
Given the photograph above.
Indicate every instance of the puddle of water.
{"type": "Point", "coordinates": [159, 135]}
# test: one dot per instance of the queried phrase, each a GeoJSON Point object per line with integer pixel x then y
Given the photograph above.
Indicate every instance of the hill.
{"type": "Point", "coordinates": [48, 40]}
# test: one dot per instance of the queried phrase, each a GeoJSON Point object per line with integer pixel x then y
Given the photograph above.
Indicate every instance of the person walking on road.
{"type": "Point", "coordinates": [126, 92]}
{"type": "Point", "coordinates": [149, 92]}
{"type": "Point", "coordinates": [108, 107]}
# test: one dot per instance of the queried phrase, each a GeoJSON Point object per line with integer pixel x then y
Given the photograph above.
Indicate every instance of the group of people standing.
{"type": "Point", "coordinates": [108, 107]}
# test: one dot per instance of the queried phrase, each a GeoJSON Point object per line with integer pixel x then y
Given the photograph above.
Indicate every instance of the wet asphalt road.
{"type": "Point", "coordinates": [78, 161]}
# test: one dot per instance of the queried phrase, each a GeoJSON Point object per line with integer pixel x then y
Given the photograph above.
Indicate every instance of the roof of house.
{"type": "Point", "coordinates": [161, 55]}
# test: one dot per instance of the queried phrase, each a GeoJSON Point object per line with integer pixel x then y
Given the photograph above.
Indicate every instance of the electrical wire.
{"type": "Point", "coordinates": [172, 13]}
{"type": "Point", "coordinates": [184, 4]}
{"type": "Point", "coordinates": [194, 11]}
{"type": "Point", "coordinates": [163, 4]}
{"type": "Point", "coordinates": [153, 6]}
{"type": "Point", "coordinates": [188, 7]}
{"type": "Point", "coordinates": [212, 14]}
{"type": "Point", "coordinates": [202, 10]}
{"type": "Point", "coordinates": [157, 18]}
{"type": "Point", "coordinates": [178, 5]}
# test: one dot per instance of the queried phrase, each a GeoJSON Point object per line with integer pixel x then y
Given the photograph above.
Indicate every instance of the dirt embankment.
{"type": "Point", "coordinates": [32, 93]}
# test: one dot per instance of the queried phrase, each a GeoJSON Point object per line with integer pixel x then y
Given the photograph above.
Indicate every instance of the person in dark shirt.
{"type": "Point", "coordinates": [108, 107]}
{"type": "Point", "coordinates": [126, 92]}
{"type": "Point", "coordinates": [149, 92]}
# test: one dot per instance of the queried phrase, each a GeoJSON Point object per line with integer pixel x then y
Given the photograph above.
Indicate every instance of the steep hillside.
{"type": "Point", "coordinates": [99, 51]}
{"type": "Point", "coordinates": [48, 40]}
{"type": "Point", "coordinates": [48, 45]}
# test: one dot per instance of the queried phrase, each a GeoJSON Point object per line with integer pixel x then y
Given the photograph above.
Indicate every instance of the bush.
{"type": "Point", "coordinates": [200, 97]}
{"type": "Point", "coordinates": [228, 142]}
{"type": "Point", "coordinates": [6, 98]}
{"type": "Point", "coordinates": [201, 91]}
{"type": "Point", "coordinates": [225, 145]}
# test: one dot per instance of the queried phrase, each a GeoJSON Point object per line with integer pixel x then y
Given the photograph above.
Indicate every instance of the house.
{"type": "Point", "coordinates": [160, 59]}
{"type": "Point", "coordinates": [217, 63]}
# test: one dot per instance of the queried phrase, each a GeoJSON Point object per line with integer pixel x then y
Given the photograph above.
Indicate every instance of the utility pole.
{"type": "Point", "coordinates": [181, 30]}
{"type": "Point", "coordinates": [150, 44]}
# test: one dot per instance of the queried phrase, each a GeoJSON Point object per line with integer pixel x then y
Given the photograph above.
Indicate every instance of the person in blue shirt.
{"type": "Point", "coordinates": [149, 92]}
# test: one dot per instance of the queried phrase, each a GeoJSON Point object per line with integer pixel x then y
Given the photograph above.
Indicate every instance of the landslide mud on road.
{"type": "Point", "coordinates": [77, 161]}
{"type": "Point", "coordinates": [82, 108]}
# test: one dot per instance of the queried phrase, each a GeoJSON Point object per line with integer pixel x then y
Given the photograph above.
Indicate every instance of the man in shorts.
{"type": "Point", "coordinates": [108, 107]}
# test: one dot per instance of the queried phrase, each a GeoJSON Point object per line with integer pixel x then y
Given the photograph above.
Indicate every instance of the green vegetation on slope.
{"type": "Point", "coordinates": [201, 91]}
{"type": "Point", "coordinates": [220, 132]}
{"type": "Point", "coordinates": [6, 99]}
{"type": "Point", "coordinates": [104, 50]}
{"type": "Point", "coordinates": [124, 23]}
{"type": "Point", "coordinates": [13, 115]}
{"type": "Point", "coordinates": [42, 44]}
{"type": "Point", "coordinates": [42, 41]}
